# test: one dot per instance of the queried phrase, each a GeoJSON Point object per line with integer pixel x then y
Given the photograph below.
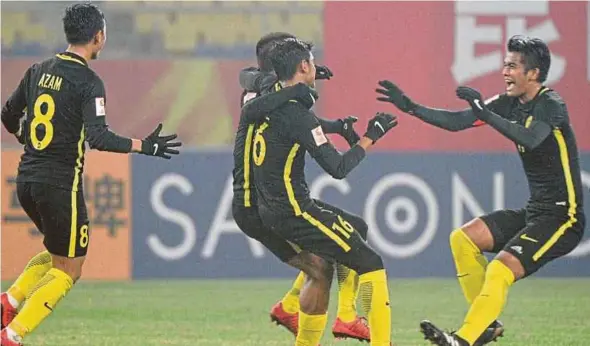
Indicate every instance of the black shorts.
{"type": "Point", "coordinates": [535, 237]}
{"type": "Point", "coordinates": [249, 222]}
{"type": "Point", "coordinates": [59, 214]}
{"type": "Point", "coordinates": [328, 232]}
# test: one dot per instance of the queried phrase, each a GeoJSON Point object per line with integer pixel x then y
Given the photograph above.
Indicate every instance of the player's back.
{"type": "Point", "coordinates": [56, 90]}
{"type": "Point", "coordinates": [279, 162]}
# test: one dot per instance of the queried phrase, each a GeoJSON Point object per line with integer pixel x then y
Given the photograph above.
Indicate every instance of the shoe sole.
{"type": "Point", "coordinates": [498, 333]}
{"type": "Point", "coordinates": [342, 336]}
{"type": "Point", "coordinates": [278, 322]}
{"type": "Point", "coordinates": [430, 333]}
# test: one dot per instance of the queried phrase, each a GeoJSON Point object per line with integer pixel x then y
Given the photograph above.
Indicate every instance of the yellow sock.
{"type": "Point", "coordinates": [375, 301]}
{"type": "Point", "coordinates": [470, 263]}
{"type": "Point", "coordinates": [488, 305]}
{"type": "Point", "coordinates": [291, 299]}
{"type": "Point", "coordinates": [37, 267]}
{"type": "Point", "coordinates": [348, 285]}
{"type": "Point", "coordinates": [311, 328]}
{"type": "Point", "coordinates": [41, 302]}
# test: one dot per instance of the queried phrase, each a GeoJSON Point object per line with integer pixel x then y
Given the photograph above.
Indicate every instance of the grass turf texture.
{"type": "Point", "coordinates": [539, 312]}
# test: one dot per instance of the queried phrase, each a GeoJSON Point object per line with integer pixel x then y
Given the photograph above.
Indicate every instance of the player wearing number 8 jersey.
{"type": "Point", "coordinates": [57, 107]}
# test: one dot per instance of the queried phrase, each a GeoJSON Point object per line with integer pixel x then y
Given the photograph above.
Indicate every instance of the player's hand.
{"type": "Point", "coordinates": [395, 95]}
{"type": "Point", "coordinates": [348, 132]}
{"type": "Point", "coordinates": [156, 145]}
{"type": "Point", "coordinates": [473, 97]}
{"type": "Point", "coordinates": [322, 72]}
{"type": "Point", "coordinates": [380, 125]}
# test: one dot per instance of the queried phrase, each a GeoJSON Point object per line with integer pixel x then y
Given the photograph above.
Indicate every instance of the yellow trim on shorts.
{"type": "Point", "coordinates": [297, 209]}
{"type": "Point", "coordinates": [74, 214]}
{"type": "Point", "coordinates": [571, 196]}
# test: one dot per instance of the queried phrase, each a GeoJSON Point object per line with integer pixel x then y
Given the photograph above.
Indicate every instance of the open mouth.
{"type": "Point", "coordinates": [509, 84]}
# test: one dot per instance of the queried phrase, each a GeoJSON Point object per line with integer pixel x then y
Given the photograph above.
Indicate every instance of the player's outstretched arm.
{"type": "Point", "coordinates": [258, 108]}
{"type": "Point", "coordinates": [527, 136]}
{"type": "Point", "coordinates": [309, 134]}
{"type": "Point", "coordinates": [13, 110]}
{"type": "Point", "coordinates": [100, 137]}
{"type": "Point", "coordinates": [442, 118]}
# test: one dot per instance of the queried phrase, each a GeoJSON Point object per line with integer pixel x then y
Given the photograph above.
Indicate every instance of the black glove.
{"type": "Point", "coordinates": [473, 97]}
{"type": "Point", "coordinates": [156, 145]}
{"type": "Point", "coordinates": [322, 72]}
{"type": "Point", "coordinates": [379, 125]}
{"type": "Point", "coordinates": [348, 131]}
{"type": "Point", "coordinates": [396, 96]}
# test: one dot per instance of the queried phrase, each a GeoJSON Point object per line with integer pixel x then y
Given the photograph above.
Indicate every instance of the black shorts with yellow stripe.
{"type": "Point", "coordinates": [536, 236]}
{"type": "Point", "coordinates": [59, 214]}
{"type": "Point", "coordinates": [329, 232]}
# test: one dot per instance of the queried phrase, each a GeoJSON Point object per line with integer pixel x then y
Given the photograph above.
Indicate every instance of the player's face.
{"type": "Point", "coordinates": [308, 68]}
{"type": "Point", "coordinates": [517, 79]}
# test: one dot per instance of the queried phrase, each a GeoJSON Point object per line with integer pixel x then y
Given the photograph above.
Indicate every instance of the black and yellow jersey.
{"type": "Point", "coordinates": [59, 96]}
{"type": "Point", "coordinates": [278, 158]}
{"type": "Point", "coordinates": [552, 168]}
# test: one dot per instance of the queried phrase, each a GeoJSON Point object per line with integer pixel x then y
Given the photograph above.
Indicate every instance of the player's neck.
{"type": "Point", "coordinates": [530, 93]}
{"type": "Point", "coordinates": [292, 82]}
{"type": "Point", "coordinates": [80, 51]}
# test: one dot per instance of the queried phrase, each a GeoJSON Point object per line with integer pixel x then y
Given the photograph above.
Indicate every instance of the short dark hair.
{"type": "Point", "coordinates": [287, 54]}
{"type": "Point", "coordinates": [82, 22]}
{"type": "Point", "coordinates": [535, 54]}
{"type": "Point", "coordinates": [264, 45]}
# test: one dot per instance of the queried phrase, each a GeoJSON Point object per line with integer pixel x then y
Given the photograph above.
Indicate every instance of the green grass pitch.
{"type": "Point", "coordinates": [540, 312]}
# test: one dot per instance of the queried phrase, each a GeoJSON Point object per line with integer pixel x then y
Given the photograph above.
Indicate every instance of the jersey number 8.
{"type": "Point", "coordinates": [41, 117]}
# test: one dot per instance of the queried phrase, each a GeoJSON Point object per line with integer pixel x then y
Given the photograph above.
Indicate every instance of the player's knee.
{"type": "Point", "coordinates": [457, 239]}
{"type": "Point", "coordinates": [320, 269]}
{"type": "Point", "coordinates": [70, 266]}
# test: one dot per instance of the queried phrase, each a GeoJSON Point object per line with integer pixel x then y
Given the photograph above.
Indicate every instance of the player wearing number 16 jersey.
{"type": "Point", "coordinates": [57, 107]}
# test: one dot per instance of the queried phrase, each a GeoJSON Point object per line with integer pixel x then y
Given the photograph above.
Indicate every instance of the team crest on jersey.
{"type": "Point", "coordinates": [318, 136]}
{"type": "Point", "coordinates": [100, 108]}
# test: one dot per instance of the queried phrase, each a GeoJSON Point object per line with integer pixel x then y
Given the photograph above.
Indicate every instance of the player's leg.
{"type": "Point", "coordinates": [65, 223]}
{"type": "Point", "coordinates": [333, 238]}
{"type": "Point", "coordinates": [36, 268]}
{"type": "Point", "coordinates": [348, 324]}
{"type": "Point", "coordinates": [488, 233]}
{"type": "Point", "coordinates": [284, 312]}
{"type": "Point", "coordinates": [546, 237]}
{"type": "Point", "coordinates": [314, 300]}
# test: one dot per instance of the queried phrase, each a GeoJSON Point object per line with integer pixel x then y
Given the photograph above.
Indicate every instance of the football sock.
{"type": "Point", "coordinates": [488, 305]}
{"type": "Point", "coordinates": [348, 285]}
{"type": "Point", "coordinates": [41, 301]}
{"type": "Point", "coordinates": [470, 263]}
{"type": "Point", "coordinates": [375, 302]}
{"type": "Point", "coordinates": [37, 267]}
{"type": "Point", "coordinates": [291, 299]}
{"type": "Point", "coordinates": [311, 328]}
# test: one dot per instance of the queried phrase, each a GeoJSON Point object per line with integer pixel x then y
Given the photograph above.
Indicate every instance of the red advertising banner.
{"type": "Point", "coordinates": [429, 48]}
{"type": "Point", "coordinates": [107, 193]}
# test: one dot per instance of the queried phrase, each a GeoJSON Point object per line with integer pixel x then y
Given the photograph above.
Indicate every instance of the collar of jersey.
{"type": "Point", "coordinates": [69, 56]}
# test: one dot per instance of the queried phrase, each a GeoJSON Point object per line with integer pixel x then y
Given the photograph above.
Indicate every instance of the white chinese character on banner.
{"type": "Point", "coordinates": [467, 66]}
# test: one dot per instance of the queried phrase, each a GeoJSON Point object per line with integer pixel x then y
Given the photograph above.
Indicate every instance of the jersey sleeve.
{"type": "Point", "coordinates": [14, 107]}
{"type": "Point", "coordinates": [94, 103]}
{"type": "Point", "coordinates": [551, 112]}
{"type": "Point", "coordinates": [307, 131]}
